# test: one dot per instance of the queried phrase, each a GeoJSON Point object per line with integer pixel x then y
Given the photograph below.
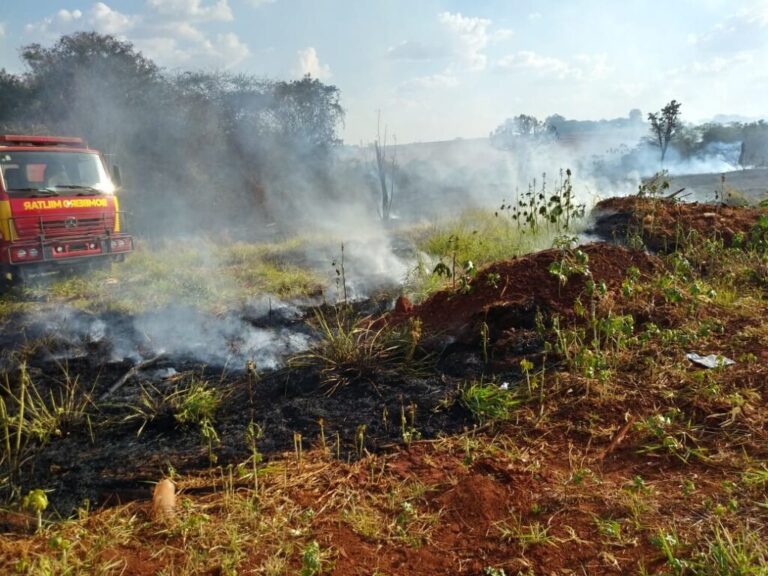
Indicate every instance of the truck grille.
{"type": "Point", "coordinates": [71, 225]}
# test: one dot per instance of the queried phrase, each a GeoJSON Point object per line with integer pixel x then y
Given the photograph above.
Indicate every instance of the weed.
{"type": "Point", "coordinates": [195, 405]}
{"type": "Point", "coordinates": [669, 545]}
{"type": "Point", "coordinates": [525, 534]}
{"type": "Point", "coordinates": [489, 402]}
{"type": "Point", "coordinates": [311, 562]}
{"type": "Point", "coordinates": [29, 418]}
{"type": "Point", "coordinates": [37, 501]}
{"type": "Point", "coordinates": [408, 430]}
{"type": "Point", "coordinates": [729, 554]}
{"type": "Point", "coordinates": [670, 433]}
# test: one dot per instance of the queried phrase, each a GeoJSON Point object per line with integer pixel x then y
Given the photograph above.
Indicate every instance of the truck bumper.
{"type": "Point", "coordinates": [53, 252]}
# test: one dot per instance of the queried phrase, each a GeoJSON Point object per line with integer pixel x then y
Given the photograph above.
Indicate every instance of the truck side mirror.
{"type": "Point", "coordinates": [116, 179]}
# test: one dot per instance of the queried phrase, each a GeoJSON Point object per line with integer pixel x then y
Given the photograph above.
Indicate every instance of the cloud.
{"type": "Point", "coordinates": [415, 50]}
{"type": "Point", "coordinates": [526, 60]}
{"type": "Point", "coordinates": [260, 3]}
{"type": "Point", "coordinates": [716, 65]}
{"type": "Point", "coordinates": [442, 80]}
{"type": "Point", "coordinates": [309, 63]}
{"type": "Point", "coordinates": [2, 30]}
{"type": "Point", "coordinates": [108, 21]}
{"type": "Point", "coordinates": [63, 22]}
{"type": "Point", "coordinates": [171, 32]}
{"type": "Point", "coordinates": [580, 67]}
{"type": "Point", "coordinates": [533, 16]}
{"type": "Point", "coordinates": [194, 10]}
{"type": "Point", "coordinates": [502, 34]}
{"type": "Point", "coordinates": [745, 30]}
{"type": "Point", "coordinates": [470, 36]}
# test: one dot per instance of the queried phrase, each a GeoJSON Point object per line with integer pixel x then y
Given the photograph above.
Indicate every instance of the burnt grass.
{"type": "Point", "coordinates": [116, 454]}
{"type": "Point", "coordinates": [124, 446]}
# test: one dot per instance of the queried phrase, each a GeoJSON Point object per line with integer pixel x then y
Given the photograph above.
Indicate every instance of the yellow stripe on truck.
{"type": "Point", "coordinates": [117, 214]}
{"type": "Point", "coordinates": [6, 227]}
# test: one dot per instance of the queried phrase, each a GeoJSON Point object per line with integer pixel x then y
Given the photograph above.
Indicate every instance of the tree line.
{"type": "Point", "coordinates": [202, 145]}
{"type": "Point", "coordinates": [664, 131]}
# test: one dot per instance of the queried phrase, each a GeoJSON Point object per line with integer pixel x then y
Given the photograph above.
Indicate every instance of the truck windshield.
{"type": "Point", "coordinates": [36, 173]}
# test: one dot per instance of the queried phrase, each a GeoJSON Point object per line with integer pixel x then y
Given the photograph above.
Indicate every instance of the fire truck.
{"type": "Point", "coordinates": [58, 208]}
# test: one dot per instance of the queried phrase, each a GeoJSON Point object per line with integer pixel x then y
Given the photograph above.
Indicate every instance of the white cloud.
{"type": "Point", "coordinates": [100, 18]}
{"type": "Point", "coordinates": [443, 80]}
{"type": "Point", "coordinates": [580, 67]}
{"type": "Point", "coordinates": [502, 34]}
{"type": "Point", "coordinates": [194, 10]}
{"type": "Point", "coordinates": [716, 65]}
{"type": "Point", "coordinates": [2, 30]}
{"type": "Point", "coordinates": [533, 16]}
{"type": "Point", "coordinates": [63, 22]}
{"type": "Point", "coordinates": [742, 31]}
{"type": "Point", "coordinates": [260, 3]}
{"type": "Point", "coordinates": [415, 50]}
{"type": "Point", "coordinates": [544, 65]}
{"type": "Point", "coordinates": [108, 21]}
{"type": "Point", "coordinates": [172, 32]}
{"type": "Point", "coordinates": [471, 37]}
{"type": "Point", "coordinates": [309, 63]}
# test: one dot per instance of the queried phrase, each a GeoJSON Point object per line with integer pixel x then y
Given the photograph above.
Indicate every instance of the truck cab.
{"type": "Point", "coordinates": [58, 207]}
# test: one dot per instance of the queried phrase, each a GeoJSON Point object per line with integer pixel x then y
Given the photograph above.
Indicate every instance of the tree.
{"type": "Point", "coordinates": [308, 112]}
{"type": "Point", "coordinates": [521, 129]}
{"type": "Point", "coordinates": [15, 96]}
{"type": "Point", "coordinates": [664, 125]}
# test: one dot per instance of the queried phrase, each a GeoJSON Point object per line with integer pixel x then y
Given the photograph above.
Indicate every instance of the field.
{"type": "Point", "coordinates": [523, 404]}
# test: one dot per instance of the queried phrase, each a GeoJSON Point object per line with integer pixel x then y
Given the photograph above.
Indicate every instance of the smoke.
{"type": "Point", "coordinates": [209, 158]}
{"type": "Point", "coordinates": [265, 335]}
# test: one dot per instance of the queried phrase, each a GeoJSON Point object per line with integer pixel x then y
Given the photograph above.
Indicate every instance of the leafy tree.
{"type": "Point", "coordinates": [14, 100]}
{"type": "Point", "coordinates": [664, 125]}
{"type": "Point", "coordinates": [308, 112]}
{"type": "Point", "coordinates": [522, 129]}
{"type": "Point", "coordinates": [187, 141]}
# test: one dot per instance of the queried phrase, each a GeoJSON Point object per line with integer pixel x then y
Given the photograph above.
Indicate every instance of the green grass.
{"type": "Point", "coordinates": [489, 402]}
{"type": "Point", "coordinates": [208, 277]}
{"type": "Point", "coordinates": [478, 237]}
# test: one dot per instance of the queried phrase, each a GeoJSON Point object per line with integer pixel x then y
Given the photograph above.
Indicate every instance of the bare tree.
{"type": "Point", "coordinates": [385, 168]}
{"type": "Point", "coordinates": [664, 125]}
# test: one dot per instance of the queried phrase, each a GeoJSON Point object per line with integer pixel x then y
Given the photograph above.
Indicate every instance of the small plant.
{"type": "Point", "coordinates": [408, 429]}
{"type": "Point", "coordinates": [488, 402]}
{"type": "Point", "coordinates": [196, 406]}
{"type": "Point", "coordinates": [311, 561]}
{"type": "Point", "coordinates": [351, 349]}
{"type": "Point", "coordinates": [669, 545]}
{"type": "Point", "coordinates": [670, 433]}
{"type": "Point", "coordinates": [253, 433]}
{"type": "Point", "coordinates": [526, 535]}
{"type": "Point", "coordinates": [37, 501]}
{"type": "Point", "coordinates": [608, 528]}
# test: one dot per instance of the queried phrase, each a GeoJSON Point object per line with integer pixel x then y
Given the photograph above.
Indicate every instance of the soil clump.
{"type": "Point", "coordinates": [664, 225]}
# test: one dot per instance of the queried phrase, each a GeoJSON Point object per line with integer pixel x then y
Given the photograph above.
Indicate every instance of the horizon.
{"type": "Point", "coordinates": [445, 69]}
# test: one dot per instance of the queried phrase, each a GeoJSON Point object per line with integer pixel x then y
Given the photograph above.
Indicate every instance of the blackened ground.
{"type": "Point", "coordinates": [122, 445]}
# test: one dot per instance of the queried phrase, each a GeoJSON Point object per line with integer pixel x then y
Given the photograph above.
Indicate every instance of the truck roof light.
{"type": "Point", "coordinates": [24, 140]}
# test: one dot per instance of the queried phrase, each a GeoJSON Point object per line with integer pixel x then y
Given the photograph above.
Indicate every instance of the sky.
{"type": "Point", "coordinates": [444, 69]}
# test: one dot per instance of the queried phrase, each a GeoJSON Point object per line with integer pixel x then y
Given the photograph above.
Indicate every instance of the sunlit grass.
{"type": "Point", "coordinates": [478, 237]}
{"type": "Point", "coordinates": [204, 276]}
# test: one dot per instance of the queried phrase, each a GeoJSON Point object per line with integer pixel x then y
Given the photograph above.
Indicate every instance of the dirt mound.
{"type": "Point", "coordinates": [507, 295]}
{"type": "Point", "coordinates": [663, 224]}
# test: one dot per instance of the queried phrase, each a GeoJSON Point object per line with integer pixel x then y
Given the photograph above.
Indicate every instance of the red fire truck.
{"type": "Point", "coordinates": [57, 207]}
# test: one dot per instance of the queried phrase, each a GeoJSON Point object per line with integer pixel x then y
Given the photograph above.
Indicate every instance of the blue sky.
{"type": "Point", "coordinates": [441, 69]}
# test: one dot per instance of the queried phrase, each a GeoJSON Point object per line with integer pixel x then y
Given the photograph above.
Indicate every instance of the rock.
{"type": "Point", "coordinates": [164, 501]}
{"type": "Point", "coordinates": [403, 305]}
